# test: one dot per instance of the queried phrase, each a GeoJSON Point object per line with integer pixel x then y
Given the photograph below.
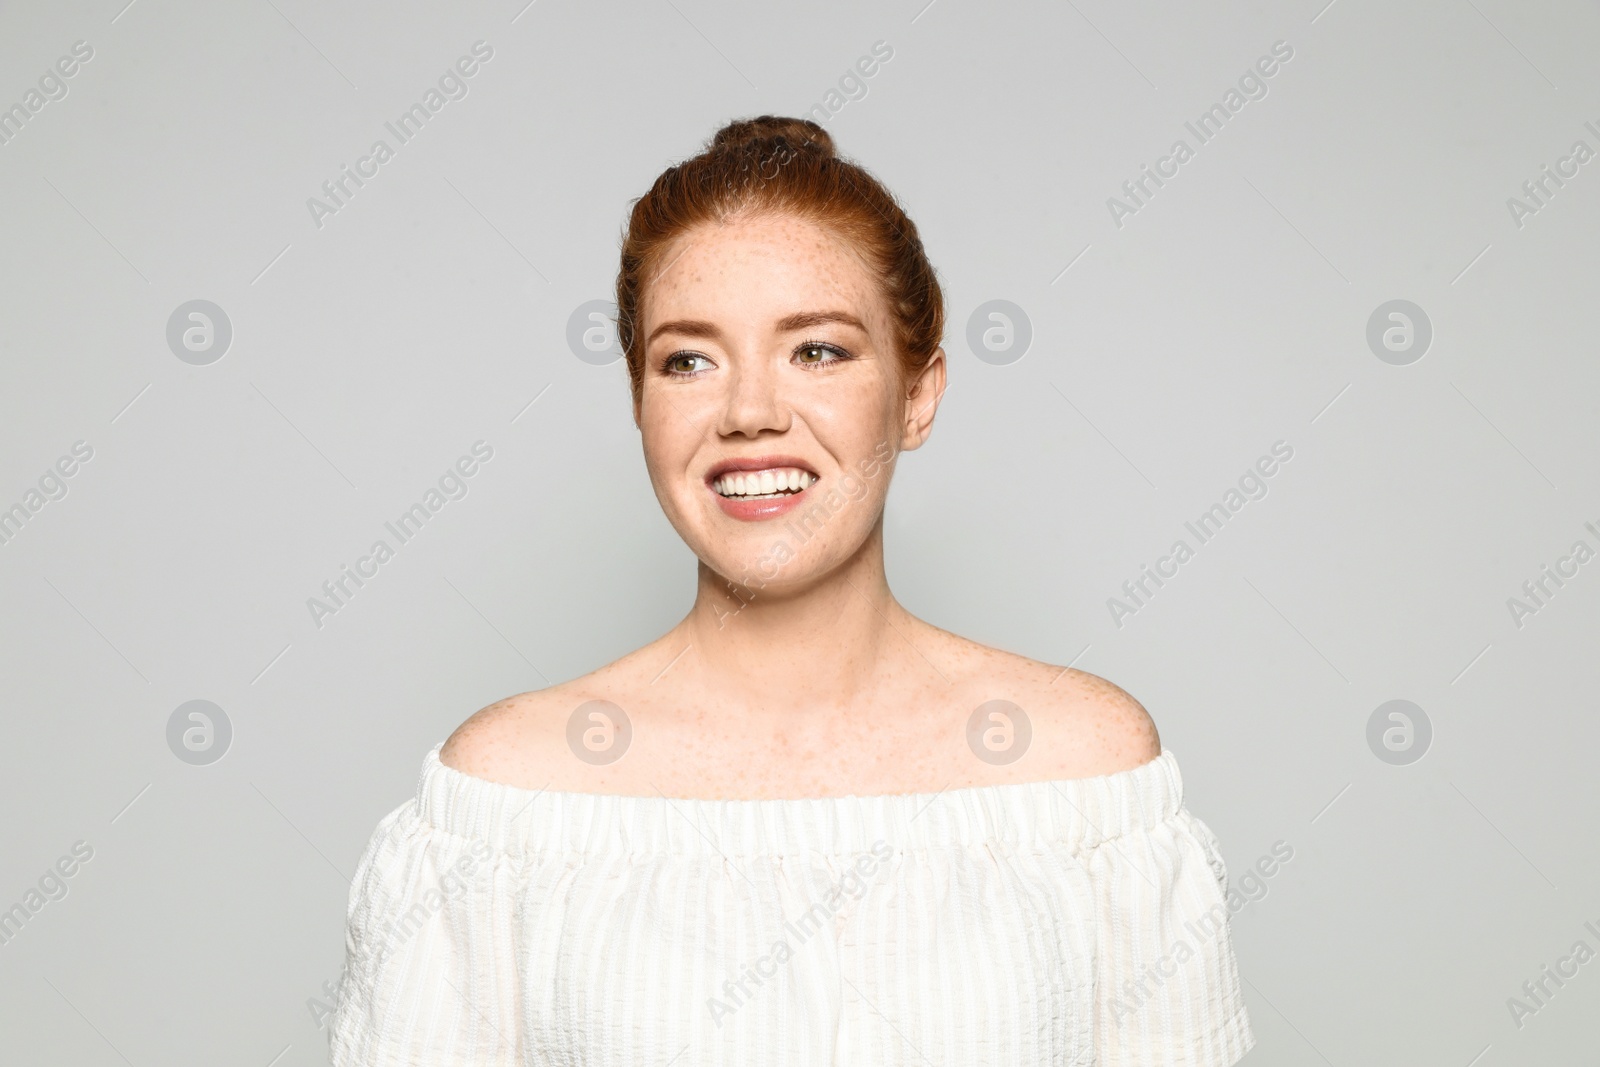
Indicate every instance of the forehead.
{"type": "Point", "coordinates": [762, 267]}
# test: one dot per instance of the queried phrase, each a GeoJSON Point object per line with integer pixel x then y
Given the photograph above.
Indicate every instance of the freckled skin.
{"type": "Point", "coordinates": [813, 680]}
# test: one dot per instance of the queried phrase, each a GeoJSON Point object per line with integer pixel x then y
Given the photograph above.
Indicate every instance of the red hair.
{"type": "Point", "coordinates": [775, 165]}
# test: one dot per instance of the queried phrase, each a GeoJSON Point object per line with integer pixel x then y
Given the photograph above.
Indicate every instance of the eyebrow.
{"type": "Point", "coordinates": [800, 320]}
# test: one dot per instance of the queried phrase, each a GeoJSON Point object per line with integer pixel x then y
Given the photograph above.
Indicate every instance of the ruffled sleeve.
{"type": "Point", "coordinates": [426, 969]}
{"type": "Point", "coordinates": [1166, 982]}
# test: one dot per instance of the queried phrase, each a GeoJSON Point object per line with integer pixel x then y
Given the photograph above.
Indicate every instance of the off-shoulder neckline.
{"type": "Point", "coordinates": [432, 763]}
{"type": "Point", "coordinates": [1075, 812]}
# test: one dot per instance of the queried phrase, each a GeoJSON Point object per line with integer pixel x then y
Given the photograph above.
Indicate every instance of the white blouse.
{"type": "Point", "coordinates": [1071, 922]}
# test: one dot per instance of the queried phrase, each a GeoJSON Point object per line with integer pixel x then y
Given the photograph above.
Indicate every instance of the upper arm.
{"type": "Point", "coordinates": [1167, 984]}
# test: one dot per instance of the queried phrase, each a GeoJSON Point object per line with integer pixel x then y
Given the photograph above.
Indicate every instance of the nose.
{"type": "Point", "coordinates": [753, 403]}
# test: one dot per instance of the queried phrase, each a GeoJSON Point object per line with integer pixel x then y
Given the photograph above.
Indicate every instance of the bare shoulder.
{"type": "Point", "coordinates": [1085, 726]}
{"type": "Point", "coordinates": [1082, 725]}
{"type": "Point", "coordinates": [507, 741]}
{"type": "Point", "coordinates": [1113, 730]}
{"type": "Point", "coordinates": [523, 740]}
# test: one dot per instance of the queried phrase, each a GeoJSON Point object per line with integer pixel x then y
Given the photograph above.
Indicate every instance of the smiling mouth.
{"type": "Point", "coordinates": [769, 484]}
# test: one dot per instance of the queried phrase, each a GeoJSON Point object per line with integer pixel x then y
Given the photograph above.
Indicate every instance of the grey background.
{"type": "Point", "coordinates": [1168, 354]}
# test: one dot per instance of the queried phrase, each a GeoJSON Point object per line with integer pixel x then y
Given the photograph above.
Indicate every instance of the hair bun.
{"type": "Point", "coordinates": [802, 135]}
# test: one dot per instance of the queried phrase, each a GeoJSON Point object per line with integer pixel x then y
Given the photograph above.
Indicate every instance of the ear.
{"type": "Point", "coordinates": [922, 401]}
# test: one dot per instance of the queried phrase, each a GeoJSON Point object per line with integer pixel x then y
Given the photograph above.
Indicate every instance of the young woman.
{"type": "Point", "coordinates": [803, 826]}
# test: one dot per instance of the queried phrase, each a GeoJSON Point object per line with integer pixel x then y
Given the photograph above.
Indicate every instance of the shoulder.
{"type": "Point", "coordinates": [493, 741]}
{"type": "Point", "coordinates": [1114, 730]}
{"type": "Point", "coordinates": [521, 740]}
{"type": "Point", "coordinates": [1081, 725]}
{"type": "Point", "coordinates": [1085, 726]}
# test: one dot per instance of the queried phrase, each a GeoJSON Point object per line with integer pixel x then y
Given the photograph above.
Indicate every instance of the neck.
{"type": "Point", "coordinates": [790, 649]}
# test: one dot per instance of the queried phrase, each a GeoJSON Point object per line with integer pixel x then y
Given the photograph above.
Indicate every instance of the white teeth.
{"type": "Point", "coordinates": [760, 484]}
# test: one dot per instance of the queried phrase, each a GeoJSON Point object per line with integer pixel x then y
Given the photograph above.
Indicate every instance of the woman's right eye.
{"type": "Point", "coordinates": [683, 363]}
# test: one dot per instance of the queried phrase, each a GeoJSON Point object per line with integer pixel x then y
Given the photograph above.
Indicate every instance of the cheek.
{"type": "Point", "coordinates": [667, 440]}
{"type": "Point", "coordinates": [856, 419]}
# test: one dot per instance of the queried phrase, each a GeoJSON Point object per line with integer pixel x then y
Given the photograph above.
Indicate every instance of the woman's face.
{"type": "Point", "coordinates": [772, 405]}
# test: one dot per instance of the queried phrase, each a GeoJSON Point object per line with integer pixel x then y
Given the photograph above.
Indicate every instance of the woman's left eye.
{"type": "Point", "coordinates": [813, 353]}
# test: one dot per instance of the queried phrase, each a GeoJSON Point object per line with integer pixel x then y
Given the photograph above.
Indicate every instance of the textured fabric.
{"type": "Point", "coordinates": [1071, 922]}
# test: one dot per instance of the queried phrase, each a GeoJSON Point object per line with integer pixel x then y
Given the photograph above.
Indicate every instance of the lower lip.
{"type": "Point", "coordinates": [758, 510]}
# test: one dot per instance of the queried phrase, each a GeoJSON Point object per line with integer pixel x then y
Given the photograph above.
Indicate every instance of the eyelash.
{"type": "Point", "coordinates": [840, 355]}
